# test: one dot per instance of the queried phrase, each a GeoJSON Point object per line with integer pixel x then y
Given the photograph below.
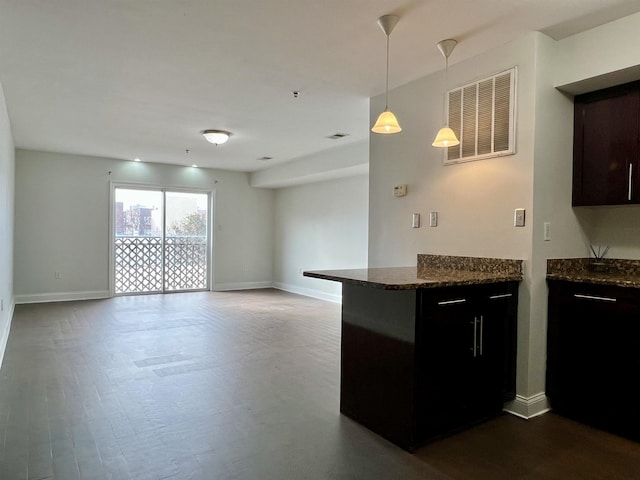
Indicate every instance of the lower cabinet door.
{"type": "Point", "coordinates": [488, 374]}
{"type": "Point", "coordinates": [465, 355]}
{"type": "Point", "coordinates": [446, 365]}
{"type": "Point", "coordinates": [593, 367]}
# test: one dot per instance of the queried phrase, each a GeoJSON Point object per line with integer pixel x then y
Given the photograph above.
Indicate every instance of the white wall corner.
{"type": "Point", "coordinates": [339, 162]}
{"type": "Point", "coordinates": [308, 292]}
{"type": "Point", "coordinates": [62, 296]}
{"type": "Point", "coordinates": [225, 287]}
{"type": "Point", "coordinates": [528, 407]}
{"type": "Point", "coordinates": [4, 335]}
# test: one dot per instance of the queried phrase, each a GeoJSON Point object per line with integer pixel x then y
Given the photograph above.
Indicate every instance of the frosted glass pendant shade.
{"type": "Point", "coordinates": [386, 123]}
{"type": "Point", "coordinates": [446, 138]}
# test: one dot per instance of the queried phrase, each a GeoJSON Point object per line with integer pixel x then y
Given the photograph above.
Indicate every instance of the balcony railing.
{"type": "Point", "coordinates": [147, 264]}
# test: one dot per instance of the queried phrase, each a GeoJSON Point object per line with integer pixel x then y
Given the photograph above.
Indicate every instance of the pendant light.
{"type": "Point", "coordinates": [387, 121]}
{"type": "Point", "coordinates": [446, 137]}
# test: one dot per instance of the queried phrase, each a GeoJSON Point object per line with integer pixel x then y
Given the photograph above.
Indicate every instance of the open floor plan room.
{"type": "Point", "coordinates": [235, 385]}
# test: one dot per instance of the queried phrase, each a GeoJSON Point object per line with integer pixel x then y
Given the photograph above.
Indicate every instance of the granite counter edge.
{"type": "Point", "coordinates": [411, 285]}
{"type": "Point", "coordinates": [596, 279]}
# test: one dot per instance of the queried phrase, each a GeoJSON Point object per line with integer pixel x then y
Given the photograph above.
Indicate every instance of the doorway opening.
{"type": "Point", "coordinates": [161, 240]}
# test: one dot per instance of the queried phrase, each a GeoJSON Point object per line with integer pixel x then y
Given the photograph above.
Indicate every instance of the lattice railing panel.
{"type": "Point", "coordinates": [138, 264]}
{"type": "Point", "coordinates": [185, 266]}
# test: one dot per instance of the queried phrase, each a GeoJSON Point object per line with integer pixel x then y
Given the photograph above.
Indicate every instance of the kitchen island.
{"type": "Point", "coordinates": [430, 349]}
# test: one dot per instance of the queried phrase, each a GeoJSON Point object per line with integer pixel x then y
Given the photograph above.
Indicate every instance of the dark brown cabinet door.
{"type": "Point", "coordinates": [466, 355]}
{"type": "Point", "coordinates": [593, 363]}
{"type": "Point", "coordinates": [499, 315]}
{"type": "Point", "coordinates": [606, 148]}
{"type": "Point", "coordinates": [446, 363]}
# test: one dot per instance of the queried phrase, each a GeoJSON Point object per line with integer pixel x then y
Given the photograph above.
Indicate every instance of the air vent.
{"type": "Point", "coordinates": [482, 114]}
{"type": "Point", "coordinates": [264, 159]}
{"type": "Point", "coordinates": [337, 136]}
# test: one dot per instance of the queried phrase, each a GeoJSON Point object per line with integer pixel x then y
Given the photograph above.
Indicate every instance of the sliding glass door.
{"type": "Point", "coordinates": [161, 241]}
{"type": "Point", "coordinates": [186, 241]}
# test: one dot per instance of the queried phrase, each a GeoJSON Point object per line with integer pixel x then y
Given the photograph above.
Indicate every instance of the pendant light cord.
{"type": "Point", "coordinates": [446, 86]}
{"type": "Point", "coordinates": [386, 90]}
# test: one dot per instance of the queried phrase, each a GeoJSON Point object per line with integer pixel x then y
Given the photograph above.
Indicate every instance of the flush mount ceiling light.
{"type": "Point", "coordinates": [217, 137]}
{"type": "Point", "coordinates": [446, 137]}
{"type": "Point", "coordinates": [387, 121]}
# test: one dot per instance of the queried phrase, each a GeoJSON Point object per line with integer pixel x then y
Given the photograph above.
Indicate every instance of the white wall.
{"type": "Point", "coordinates": [62, 223]}
{"type": "Point", "coordinates": [553, 160]}
{"type": "Point", "coordinates": [7, 163]}
{"type": "Point", "coordinates": [618, 227]}
{"type": "Point", "coordinates": [475, 201]}
{"type": "Point", "coordinates": [600, 57]}
{"type": "Point", "coordinates": [320, 226]}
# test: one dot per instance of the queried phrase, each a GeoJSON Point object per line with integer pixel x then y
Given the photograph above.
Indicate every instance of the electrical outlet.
{"type": "Point", "coordinates": [518, 217]}
{"type": "Point", "coordinates": [57, 275]}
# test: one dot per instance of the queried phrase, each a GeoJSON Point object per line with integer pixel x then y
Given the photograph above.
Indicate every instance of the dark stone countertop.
{"type": "Point", "coordinates": [459, 271]}
{"type": "Point", "coordinates": [610, 271]}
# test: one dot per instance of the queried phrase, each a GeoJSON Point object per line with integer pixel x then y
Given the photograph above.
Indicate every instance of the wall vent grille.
{"type": "Point", "coordinates": [482, 114]}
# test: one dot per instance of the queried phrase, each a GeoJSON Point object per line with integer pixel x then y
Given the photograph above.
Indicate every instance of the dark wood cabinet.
{"type": "Point", "coordinates": [417, 364]}
{"type": "Point", "coordinates": [467, 355]}
{"type": "Point", "coordinates": [593, 358]}
{"type": "Point", "coordinates": [606, 155]}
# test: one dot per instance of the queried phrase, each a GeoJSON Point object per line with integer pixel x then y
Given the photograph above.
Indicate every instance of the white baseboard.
{"type": "Point", "coordinates": [61, 296]}
{"type": "Point", "coordinates": [528, 407]}
{"type": "Point", "coordinates": [308, 292]}
{"type": "Point", "coordinates": [222, 287]}
{"type": "Point", "coordinates": [4, 336]}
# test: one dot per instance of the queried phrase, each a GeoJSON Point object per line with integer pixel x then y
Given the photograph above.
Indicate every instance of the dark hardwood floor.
{"type": "Point", "coordinates": [548, 447]}
{"type": "Point", "coordinates": [235, 385]}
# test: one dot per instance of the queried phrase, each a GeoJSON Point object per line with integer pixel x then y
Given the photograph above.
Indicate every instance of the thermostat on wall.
{"type": "Point", "coordinates": [399, 190]}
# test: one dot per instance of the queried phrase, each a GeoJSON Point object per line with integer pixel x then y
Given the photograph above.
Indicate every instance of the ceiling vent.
{"type": "Point", "coordinates": [482, 115]}
{"type": "Point", "coordinates": [338, 136]}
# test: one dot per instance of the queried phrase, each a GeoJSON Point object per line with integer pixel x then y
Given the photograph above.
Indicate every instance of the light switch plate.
{"type": "Point", "coordinates": [433, 219]}
{"type": "Point", "coordinates": [416, 220]}
{"type": "Point", "coordinates": [518, 217]}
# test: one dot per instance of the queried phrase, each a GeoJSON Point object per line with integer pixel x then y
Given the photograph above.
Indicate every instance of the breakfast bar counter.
{"type": "Point", "coordinates": [430, 349]}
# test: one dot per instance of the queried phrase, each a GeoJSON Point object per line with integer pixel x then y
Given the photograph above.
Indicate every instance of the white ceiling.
{"type": "Point", "coordinates": [143, 78]}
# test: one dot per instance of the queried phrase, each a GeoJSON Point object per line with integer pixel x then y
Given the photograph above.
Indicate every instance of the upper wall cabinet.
{"type": "Point", "coordinates": [606, 150]}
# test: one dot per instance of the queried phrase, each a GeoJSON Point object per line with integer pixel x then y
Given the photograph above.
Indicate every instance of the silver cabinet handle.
{"type": "Point", "coordinates": [592, 297]}
{"type": "Point", "coordinates": [630, 182]}
{"type": "Point", "coordinates": [481, 331]}
{"type": "Point", "coordinates": [475, 336]}
{"type": "Point", "coordinates": [452, 302]}
{"type": "Point", "coordinates": [504, 295]}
